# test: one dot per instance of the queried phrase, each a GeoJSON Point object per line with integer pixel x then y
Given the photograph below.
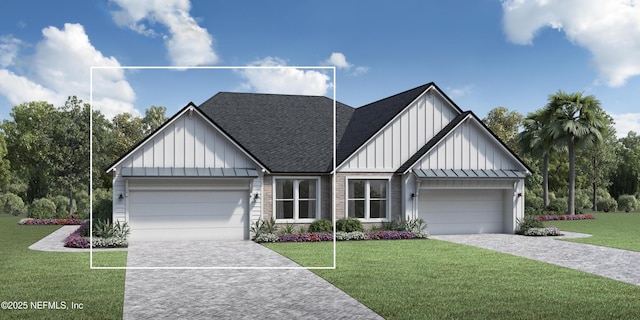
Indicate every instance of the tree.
{"type": "Point", "coordinates": [577, 120]}
{"type": "Point", "coordinates": [535, 141]}
{"type": "Point", "coordinates": [29, 145]}
{"type": "Point", "coordinates": [154, 117]}
{"type": "Point", "coordinates": [127, 130]}
{"type": "Point", "coordinates": [504, 124]}
{"type": "Point", "coordinates": [5, 169]}
{"type": "Point", "coordinates": [597, 161]}
{"type": "Point", "coordinates": [626, 178]}
{"type": "Point", "coordinates": [71, 140]}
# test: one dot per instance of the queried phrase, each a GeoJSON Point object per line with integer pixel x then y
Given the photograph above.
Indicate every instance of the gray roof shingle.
{"type": "Point", "coordinates": [287, 133]}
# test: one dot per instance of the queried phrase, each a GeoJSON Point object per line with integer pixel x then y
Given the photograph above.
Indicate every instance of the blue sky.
{"type": "Point", "coordinates": [482, 53]}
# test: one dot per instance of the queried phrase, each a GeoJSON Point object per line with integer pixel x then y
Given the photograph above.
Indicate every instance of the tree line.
{"type": "Point", "coordinates": [45, 152]}
{"type": "Point", "coordinates": [571, 145]}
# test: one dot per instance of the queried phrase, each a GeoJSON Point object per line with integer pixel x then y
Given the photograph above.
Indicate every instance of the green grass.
{"type": "Point", "coordinates": [431, 279]}
{"type": "Point", "coordinates": [32, 276]}
{"type": "Point", "coordinates": [614, 230]}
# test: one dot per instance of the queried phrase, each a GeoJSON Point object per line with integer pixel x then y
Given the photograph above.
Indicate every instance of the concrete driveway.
{"type": "Point", "coordinates": [228, 293]}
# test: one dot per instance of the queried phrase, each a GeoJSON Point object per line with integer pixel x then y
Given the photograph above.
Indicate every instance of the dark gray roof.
{"type": "Point", "coordinates": [287, 133]}
{"type": "Point", "coordinates": [190, 172]}
{"type": "Point", "coordinates": [468, 173]}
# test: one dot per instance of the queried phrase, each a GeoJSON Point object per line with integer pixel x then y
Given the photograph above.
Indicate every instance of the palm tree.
{"type": "Point", "coordinates": [579, 121]}
{"type": "Point", "coordinates": [535, 141]}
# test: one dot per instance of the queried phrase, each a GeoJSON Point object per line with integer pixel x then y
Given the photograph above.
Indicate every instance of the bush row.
{"type": "Point", "coordinates": [340, 236]}
{"type": "Point", "coordinates": [39, 222]}
{"type": "Point", "coordinates": [58, 206]}
{"type": "Point", "coordinates": [552, 217]}
{"type": "Point", "coordinates": [541, 232]}
{"type": "Point", "coordinates": [558, 205]}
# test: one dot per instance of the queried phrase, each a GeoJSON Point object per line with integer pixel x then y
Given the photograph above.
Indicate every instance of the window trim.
{"type": "Point", "coordinates": [296, 199]}
{"type": "Point", "coordinates": [367, 199]}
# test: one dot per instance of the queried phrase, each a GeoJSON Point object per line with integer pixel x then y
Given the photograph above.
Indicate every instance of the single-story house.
{"type": "Point", "coordinates": [210, 171]}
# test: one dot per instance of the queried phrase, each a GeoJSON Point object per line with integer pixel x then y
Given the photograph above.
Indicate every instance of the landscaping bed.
{"type": "Point", "coordinates": [106, 235]}
{"type": "Point", "coordinates": [49, 222]}
{"type": "Point", "coordinates": [346, 229]}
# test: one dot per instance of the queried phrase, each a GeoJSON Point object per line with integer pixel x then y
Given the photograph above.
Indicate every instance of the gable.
{"type": "Point", "coordinates": [404, 135]}
{"type": "Point", "coordinates": [188, 140]}
{"type": "Point", "coordinates": [469, 146]}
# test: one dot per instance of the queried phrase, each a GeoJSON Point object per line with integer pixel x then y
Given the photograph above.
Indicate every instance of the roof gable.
{"type": "Point", "coordinates": [187, 140]}
{"type": "Point", "coordinates": [465, 144]}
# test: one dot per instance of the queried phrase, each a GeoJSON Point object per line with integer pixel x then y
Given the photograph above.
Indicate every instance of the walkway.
{"type": "Point", "coordinates": [617, 264]}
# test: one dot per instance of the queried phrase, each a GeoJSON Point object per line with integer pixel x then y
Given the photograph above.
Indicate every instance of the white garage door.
{"type": "Point", "coordinates": [462, 211]}
{"type": "Point", "coordinates": [188, 215]}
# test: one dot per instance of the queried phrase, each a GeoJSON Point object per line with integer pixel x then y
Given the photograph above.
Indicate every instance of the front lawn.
{"type": "Point", "coordinates": [432, 279]}
{"type": "Point", "coordinates": [614, 230]}
{"type": "Point", "coordinates": [51, 277]}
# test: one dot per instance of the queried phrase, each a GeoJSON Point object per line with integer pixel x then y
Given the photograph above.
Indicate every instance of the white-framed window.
{"type": "Point", "coordinates": [296, 199]}
{"type": "Point", "coordinates": [368, 199]}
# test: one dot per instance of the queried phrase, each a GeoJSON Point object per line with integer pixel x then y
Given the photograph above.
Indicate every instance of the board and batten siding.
{"type": "Point", "coordinates": [404, 135]}
{"type": "Point", "coordinates": [187, 142]}
{"type": "Point", "coordinates": [468, 147]}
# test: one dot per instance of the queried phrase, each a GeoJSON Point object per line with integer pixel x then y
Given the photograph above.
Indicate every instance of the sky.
{"type": "Point", "coordinates": [482, 53]}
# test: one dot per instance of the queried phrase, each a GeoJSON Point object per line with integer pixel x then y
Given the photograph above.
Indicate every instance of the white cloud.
{"type": "Point", "coordinates": [60, 68]}
{"type": "Point", "coordinates": [339, 60]}
{"type": "Point", "coordinates": [188, 43]}
{"type": "Point", "coordinates": [460, 92]}
{"type": "Point", "coordinates": [610, 30]}
{"type": "Point", "coordinates": [284, 80]}
{"type": "Point", "coordinates": [9, 47]}
{"type": "Point", "coordinates": [625, 123]}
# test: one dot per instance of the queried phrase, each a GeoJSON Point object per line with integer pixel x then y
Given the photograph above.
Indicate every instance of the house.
{"type": "Point", "coordinates": [212, 170]}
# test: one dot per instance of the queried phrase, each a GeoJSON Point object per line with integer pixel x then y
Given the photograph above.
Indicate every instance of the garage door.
{"type": "Point", "coordinates": [188, 215]}
{"type": "Point", "coordinates": [462, 211]}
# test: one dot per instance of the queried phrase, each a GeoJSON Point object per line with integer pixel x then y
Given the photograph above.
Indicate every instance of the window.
{"type": "Point", "coordinates": [296, 199]}
{"type": "Point", "coordinates": [367, 199]}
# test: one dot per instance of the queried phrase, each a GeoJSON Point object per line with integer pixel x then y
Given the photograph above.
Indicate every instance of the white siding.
{"type": "Point", "coordinates": [403, 136]}
{"type": "Point", "coordinates": [468, 147]}
{"type": "Point", "coordinates": [188, 142]}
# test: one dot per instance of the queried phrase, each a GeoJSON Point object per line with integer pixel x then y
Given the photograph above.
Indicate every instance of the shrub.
{"type": "Point", "coordinates": [534, 202]}
{"type": "Point", "coordinates": [82, 206]}
{"type": "Point", "coordinates": [583, 200]}
{"type": "Point", "coordinates": [566, 217]}
{"type": "Point", "coordinates": [546, 231]}
{"type": "Point", "coordinates": [287, 229]}
{"type": "Point", "coordinates": [411, 225]}
{"type": "Point", "coordinates": [12, 204]}
{"type": "Point", "coordinates": [346, 236]}
{"type": "Point", "coordinates": [102, 205]}
{"type": "Point", "coordinates": [113, 242]}
{"type": "Point", "coordinates": [321, 226]}
{"type": "Point", "coordinates": [607, 205]}
{"type": "Point", "coordinates": [266, 237]}
{"type": "Point", "coordinates": [105, 229]}
{"type": "Point", "coordinates": [558, 206]}
{"type": "Point", "coordinates": [349, 225]}
{"type": "Point", "coordinates": [42, 209]}
{"type": "Point", "coordinates": [528, 222]}
{"type": "Point", "coordinates": [62, 205]}
{"type": "Point", "coordinates": [627, 203]}
{"type": "Point", "coordinates": [261, 227]}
